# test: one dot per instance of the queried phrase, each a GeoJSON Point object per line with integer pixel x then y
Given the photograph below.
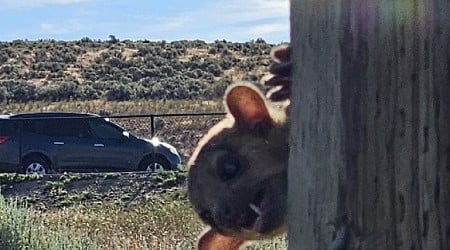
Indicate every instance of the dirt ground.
{"type": "Point", "coordinates": [61, 190]}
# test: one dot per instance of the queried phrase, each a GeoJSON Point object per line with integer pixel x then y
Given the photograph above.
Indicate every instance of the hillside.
{"type": "Point", "coordinates": [50, 70]}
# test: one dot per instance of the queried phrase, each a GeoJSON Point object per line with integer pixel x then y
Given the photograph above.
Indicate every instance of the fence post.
{"type": "Point", "coordinates": [152, 125]}
{"type": "Point", "coordinates": [370, 136]}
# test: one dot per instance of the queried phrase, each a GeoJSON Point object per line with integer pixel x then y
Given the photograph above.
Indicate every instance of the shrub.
{"type": "Point", "coordinates": [19, 230]}
{"type": "Point", "coordinates": [21, 91]}
{"type": "Point", "coordinates": [4, 95]}
{"type": "Point", "coordinates": [85, 69]}
{"type": "Point", "coordinates": [119, 92]}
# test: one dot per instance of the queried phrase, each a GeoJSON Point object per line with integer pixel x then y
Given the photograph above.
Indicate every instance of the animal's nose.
{"type": "Point", "coordinates": [226, 212]}
{"type": "Point", "coordinates": [226, 215]}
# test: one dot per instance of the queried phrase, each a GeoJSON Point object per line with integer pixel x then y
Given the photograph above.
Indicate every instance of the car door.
{"type": "Point", "coordinates": [112, 147]}
{"type": "Point", "coordinates": [73, 144]}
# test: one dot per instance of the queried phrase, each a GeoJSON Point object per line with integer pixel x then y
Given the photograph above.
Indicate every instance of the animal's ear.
{"type": "Point", "coordinates": [249, 108]}
{"type": "Point", "coordinates": [212, 240]}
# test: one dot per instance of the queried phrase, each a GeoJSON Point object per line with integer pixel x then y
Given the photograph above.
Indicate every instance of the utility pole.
{"type": "Point", "coordinates": [370, 135]}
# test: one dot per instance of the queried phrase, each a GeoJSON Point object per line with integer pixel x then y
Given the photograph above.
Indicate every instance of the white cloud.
{"type": "Point", "coordinates": [234, 11]}
{"type": "Point", "coordinates": [175, 23]}
{"type": "Point", "coordinates": [232, 18]}
{"type": "Point", "coordinates": [49, 27]}
{"type": "Point", "coordinates": [266, 29]}
{"type": "Point", "coordinates": [250, 10]}
{"type": "Point", "coordinates": [19, 4]}
{"type": "Point", "coordinates": [64, 1]}
{"type": "Point", "coordinates": [61, 28]}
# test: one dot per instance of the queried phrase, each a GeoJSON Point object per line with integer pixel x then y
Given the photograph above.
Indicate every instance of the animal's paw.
{"type": "Point", "coordinates": [280, 81]}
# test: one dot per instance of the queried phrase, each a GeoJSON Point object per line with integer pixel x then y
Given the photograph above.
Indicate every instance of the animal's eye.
{"type": "Point", "coordinates": [229, 168]}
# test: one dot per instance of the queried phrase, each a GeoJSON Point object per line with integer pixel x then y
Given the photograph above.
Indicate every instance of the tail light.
{"type": "Point", "coordinates": [3, 138]}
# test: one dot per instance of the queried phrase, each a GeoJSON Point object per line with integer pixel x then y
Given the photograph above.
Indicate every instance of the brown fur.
{"type": "Point", "coordinates": [256, 137]}
{"type": "Point", "coordinates": [237, 174]}
{"type": "Point", "coordinates": [211, 240]}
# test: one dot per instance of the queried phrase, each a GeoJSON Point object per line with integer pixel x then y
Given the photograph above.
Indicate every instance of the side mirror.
{"type": "Point", "coordinates": [126, 134]}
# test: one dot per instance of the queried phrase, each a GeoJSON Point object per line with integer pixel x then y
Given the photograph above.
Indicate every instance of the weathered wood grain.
{"type": "Point", "coordinates": [370, 134]}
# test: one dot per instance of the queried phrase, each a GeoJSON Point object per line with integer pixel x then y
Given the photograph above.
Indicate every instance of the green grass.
{"type": "Point", "coordinates": [164, 221]}
{"type": "Point", "coordinates": [160, 223]}
{"type": "Point", "coordinates": [10, 178]}
{"type": "Point", "coordinates": [7, 179]}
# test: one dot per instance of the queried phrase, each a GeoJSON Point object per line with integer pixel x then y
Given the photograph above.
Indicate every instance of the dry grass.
{"type": "Point", "coordinates": [160, 223]}
{"type": "Point", "coordinates": [117, 108]}
{"type": "Point", "coordinates": [165, 221]}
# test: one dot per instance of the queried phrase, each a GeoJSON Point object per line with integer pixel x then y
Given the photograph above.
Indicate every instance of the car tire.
{"type": "Point", "coordinates": [36, 164]}
{"type": "Point", "coordinates": [154, 164]}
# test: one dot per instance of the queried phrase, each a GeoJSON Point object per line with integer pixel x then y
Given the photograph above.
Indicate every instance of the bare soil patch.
{"type": "Point", "coordinates": [62, 190]}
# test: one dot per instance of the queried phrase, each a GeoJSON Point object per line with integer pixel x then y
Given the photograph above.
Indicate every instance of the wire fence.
{"type": "Point", "coordinates": [180, 130]}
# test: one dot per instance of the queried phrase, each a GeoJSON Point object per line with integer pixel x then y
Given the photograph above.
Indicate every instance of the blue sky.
{"type": "Point", "coordinates": [233, 20]}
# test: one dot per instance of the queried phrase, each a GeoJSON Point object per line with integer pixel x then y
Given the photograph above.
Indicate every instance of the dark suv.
{"type": "Point", "coordinates": [55, 142]}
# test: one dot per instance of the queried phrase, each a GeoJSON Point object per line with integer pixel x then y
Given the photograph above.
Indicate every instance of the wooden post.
{"type": "Point", "coordinates": [370, 135]}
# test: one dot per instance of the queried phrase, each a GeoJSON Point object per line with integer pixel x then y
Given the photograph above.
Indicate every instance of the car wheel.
{"type": "Point", "coordinates": [36, 165]}
{"type": "Point", "coordinates": [154, 164]}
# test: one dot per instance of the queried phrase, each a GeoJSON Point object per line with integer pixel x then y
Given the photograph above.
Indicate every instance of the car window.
{"type": "Point", "coordinates": [7, 126]}
{"type": "Point", "coordinates": [66, 127]}
{"type": "Point", "coordinates": [35, 126]}
{"type": "Point", "coordinates": [105, 130]}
